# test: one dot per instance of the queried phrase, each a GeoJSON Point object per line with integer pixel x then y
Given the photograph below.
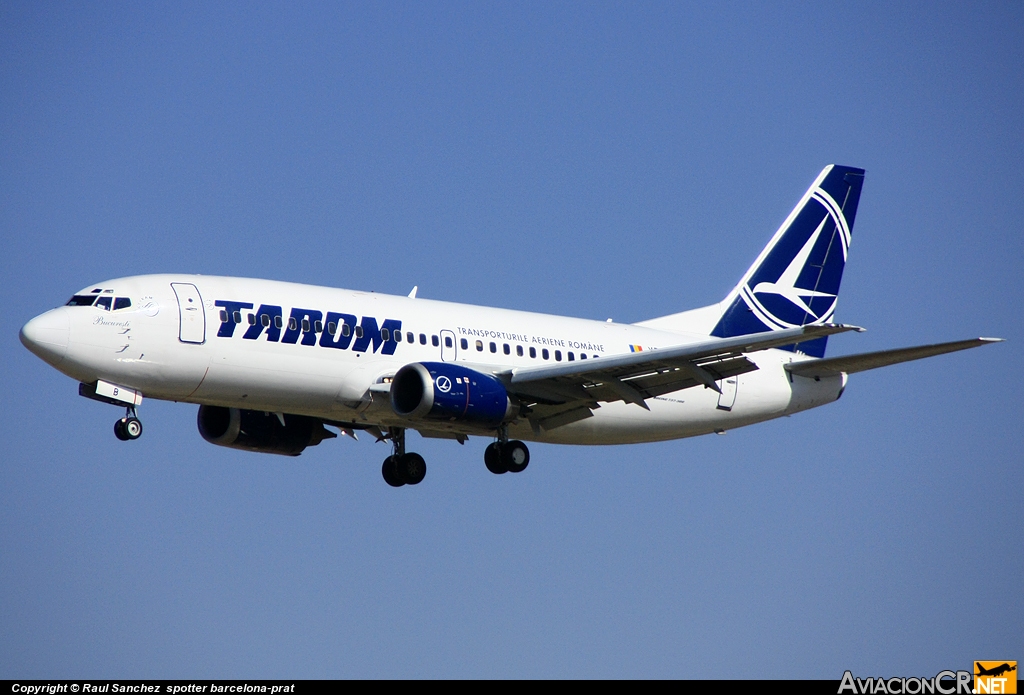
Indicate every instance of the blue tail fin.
{"type": "Point", "coordinates": [795, 280]}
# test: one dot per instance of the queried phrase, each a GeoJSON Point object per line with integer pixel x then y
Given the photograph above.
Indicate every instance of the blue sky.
{"type": "Point", "coordinates": [595, 160]}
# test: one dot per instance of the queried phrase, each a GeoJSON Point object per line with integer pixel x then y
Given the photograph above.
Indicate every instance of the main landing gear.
{"type": "Point", "coordinates": [129, 427]}
{"type": "Point", "coordinates": [407, 468]}
{"type": "Point", "coordinates": [504, 456]}
{"type": "Point", "coordinates": [402, 468]}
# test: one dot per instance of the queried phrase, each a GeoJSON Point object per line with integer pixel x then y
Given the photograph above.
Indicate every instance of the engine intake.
{"type": "Point", "coordinates": [255, 430]}
{"type": "Point", "coordinates": [444, 391]}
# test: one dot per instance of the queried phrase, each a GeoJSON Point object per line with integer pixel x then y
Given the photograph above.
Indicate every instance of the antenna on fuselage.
{"type": "Point", "coordinates": [412, 295]}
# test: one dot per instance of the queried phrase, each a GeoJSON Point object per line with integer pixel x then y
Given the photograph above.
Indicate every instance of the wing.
{"type": "Point", "coordinates": [564, 393]}
{"type": "Point", "coordinates": [849, 364]}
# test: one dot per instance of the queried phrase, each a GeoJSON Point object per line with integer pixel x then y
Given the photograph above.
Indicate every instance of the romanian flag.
{"type": "Point", "coordinates": [635, 348]}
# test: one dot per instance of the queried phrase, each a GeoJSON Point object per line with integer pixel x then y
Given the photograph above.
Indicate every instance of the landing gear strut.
{"type": "Point", "coordinates": [505, 456]}
{"type": "Point", "coordinates": [129, 427]}
{"type": "Point", "coordinates": [402, 468]}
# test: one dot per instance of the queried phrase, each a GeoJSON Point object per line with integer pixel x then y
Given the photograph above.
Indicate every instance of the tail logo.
{"type": "Point", "coordinates": [798, 280]}
{"type": "Point", "coordinates": [795, 280]}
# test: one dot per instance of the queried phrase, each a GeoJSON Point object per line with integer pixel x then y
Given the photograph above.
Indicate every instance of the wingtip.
{"type": "Point", "coordinates": [992, 340]}
{"type": "Point", "coordinates": [839, 327]}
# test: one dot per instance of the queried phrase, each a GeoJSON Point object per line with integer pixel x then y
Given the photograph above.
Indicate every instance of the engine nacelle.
{"type": "Point", "coordinates": [254, 430]}
{"type": "Point", "coordinates": [445, 391]}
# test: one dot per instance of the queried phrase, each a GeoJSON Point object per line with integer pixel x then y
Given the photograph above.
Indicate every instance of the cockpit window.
{"type": "Point", "coordinates": [82, 300]}
{"type": "Point", "coordinates": [104, 302]}
{"type": "Point", "coordinates": [122, 303]}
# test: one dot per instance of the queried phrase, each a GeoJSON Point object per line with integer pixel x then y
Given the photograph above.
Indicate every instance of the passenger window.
{"type": "Point", "coordinates": [398, 336]}
{"type": "Point", "coordinates": [278, 322]}
{"type": "Point", "coordinates": [544, 353]}
{"type": "Point", "coordinates": [265, 320]}
{"type": "Point", "coordinates": [506, 349]}
{"type": "Point", "coordinates": [104, 302]}
{"type": "Point", "coordinates": [359, 331]}
{"type": "Point", "coordinates": [583, 356]}
{"type": "Point", "coordinates": [479, 346]}
{"type": "Point", "coordinates": [558, 355]}
{"type": "Point", "coordinates": [447, 341]}
{"type": "Point", "coordinates": [318, 326]}
{"type": "Point", "coordinates": [494, 348]}
{"type": "Point", "coordinates": [434, 341]}
{"type": "Point", "coordinates": [571, 357]}
{"type": "Point", "coordinates": [423, 338]}
{"type": "Point", "coordinates": [305, 325]}
{"type": "Point", "coordinates": [346, 330]}
{"type": "Point", "coordinates": [519, 350]}
{"type": "Point", "coordinates": [252, 319]}
{"type": "Point", "coordinates": [122, 303]}
{"type": "Point", "coordinates": [410, 337]}
{"type": "Point", "coordinates": [533, 352]}
{"type": "Point", "coordinates": [237, 316]}
{"type": "Point", "coordinates": [292, 323]}
{"type": "Point", "coordinates": [223, 316]}
{"type": "Point", "coordinates": [464, 343]}
{"type": "Point", "coordinates": [332, 328]}
{"type": "Point", "coordinates": [82, 300]}
{"type": "Point", "coordinates": [385, 334]}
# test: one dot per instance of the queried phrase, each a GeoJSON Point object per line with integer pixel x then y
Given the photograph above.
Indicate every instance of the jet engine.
{"type": "Point", "coordinates": [448, 392]}
{"type": "Point", "coordinates": [255, 430]}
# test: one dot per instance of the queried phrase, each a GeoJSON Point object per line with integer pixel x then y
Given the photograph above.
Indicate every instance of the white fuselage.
{"type": "Point", "coordinates": [345, 378]}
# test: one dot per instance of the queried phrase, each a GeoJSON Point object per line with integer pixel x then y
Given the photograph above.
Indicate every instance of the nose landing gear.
{"type": "Point", "coordinates": [402, 468]}
{"type": "Point", "coordinates": [129, 427]}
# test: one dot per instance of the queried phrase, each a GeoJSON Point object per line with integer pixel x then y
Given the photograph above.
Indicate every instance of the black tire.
{"type": "Point", "coordinates": [493, 459]}
{"type": "Point", "coordinates": [412, 469]}
{"type": "Point", "coordinates": [132, 428]}
{"type": "Point", "coordinates": [390, 472]}
{"type": "Point", "coordinates": [119, 430]}
{"type": "Point", "coordinates": [516, 456]}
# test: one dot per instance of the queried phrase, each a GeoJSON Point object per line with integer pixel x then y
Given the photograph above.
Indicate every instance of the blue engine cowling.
{"type": "Point", "coordinates": [448, 392]}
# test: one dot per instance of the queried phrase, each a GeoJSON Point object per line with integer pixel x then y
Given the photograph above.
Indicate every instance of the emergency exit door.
{"type": "Point", "coordinates": [449, 349]}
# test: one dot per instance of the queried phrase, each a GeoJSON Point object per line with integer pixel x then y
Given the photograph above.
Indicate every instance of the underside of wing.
{"type": "Point", "coordinates": [850, 364]}
{"type": "Point", "coordinates": [560, 394]}
{"type": "Point", "coordinates": [632, 384]}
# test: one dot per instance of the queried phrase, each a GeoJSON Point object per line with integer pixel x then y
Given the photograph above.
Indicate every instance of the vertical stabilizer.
{"type": "Point", "coordinates": [795, 280]}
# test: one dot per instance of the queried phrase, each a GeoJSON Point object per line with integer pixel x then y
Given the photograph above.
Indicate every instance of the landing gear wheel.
{"type": "Point", "coordinates": [119, 430]}
{"type": "Point", "coordinates": [412, 468]}
{"type": "Point", "coordinates": [402, 468]}
{"type": "Point", "coordinates": [390, 472]}
{"type": "Point", "coordinates": [132, 427]}
{"type": "Point", "coordinates": [493, 459]}
{"type": "Point", "coordinates": [515, 456]}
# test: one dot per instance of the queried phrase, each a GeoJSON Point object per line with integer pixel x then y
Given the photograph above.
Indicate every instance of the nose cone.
{"type": "Point", "coordinates": [47, 335]}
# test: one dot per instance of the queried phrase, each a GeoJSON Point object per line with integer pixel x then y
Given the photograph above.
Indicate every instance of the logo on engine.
{"type": "Point", "coordinates": [444, 384]}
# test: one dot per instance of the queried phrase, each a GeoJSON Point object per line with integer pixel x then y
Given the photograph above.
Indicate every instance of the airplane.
{"type": "Point", "coordinates": [995, 671]}
{"type": "Point", "coordinates": [273, 364]}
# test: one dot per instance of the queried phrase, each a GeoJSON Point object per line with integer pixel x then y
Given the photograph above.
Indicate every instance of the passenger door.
{"type": "Point", "coordinates": [727, 399]}
{"type": "Point", "coordinates": [191, 313]}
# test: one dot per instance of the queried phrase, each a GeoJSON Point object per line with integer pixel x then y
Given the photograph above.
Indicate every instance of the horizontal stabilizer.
{"type": "Point", "coordinates": [873, 360]}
